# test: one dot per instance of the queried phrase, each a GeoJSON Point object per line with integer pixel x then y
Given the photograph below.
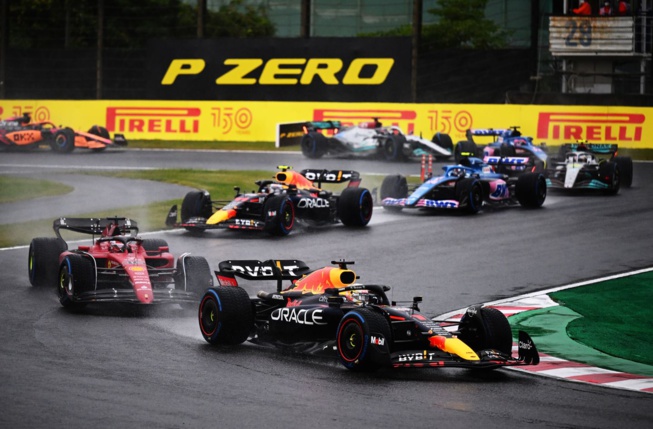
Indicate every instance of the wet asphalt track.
{"type": "Point", "coordinates": [112, 367]}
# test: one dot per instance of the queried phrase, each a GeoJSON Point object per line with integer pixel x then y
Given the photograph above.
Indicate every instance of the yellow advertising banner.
{"type": "Point", "coordinates": [630, 127]}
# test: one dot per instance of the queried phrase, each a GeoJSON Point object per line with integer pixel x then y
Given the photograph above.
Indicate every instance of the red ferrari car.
{"type": "Point", "coordinates": [20, 132]}
{"type": "Point", "coordinates": [118, 266]}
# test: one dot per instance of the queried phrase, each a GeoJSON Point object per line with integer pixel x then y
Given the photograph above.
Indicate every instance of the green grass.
{"type": "Point", "coordinates": [14, 189]}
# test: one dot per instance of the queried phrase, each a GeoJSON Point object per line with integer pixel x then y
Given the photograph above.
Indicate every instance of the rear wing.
{"type": "Point", "coordinates": [96, 226]}
{"type": "Point", "coordinates": [279, 270]}
{"type": "Point", "coordinates": [491, 132]}
{"type": "Point", "coordinates": [596, 148]}
{"type": "Point", "coordinates": [332, 176]}
{"type": "Point", "coordinates": [507, 160]}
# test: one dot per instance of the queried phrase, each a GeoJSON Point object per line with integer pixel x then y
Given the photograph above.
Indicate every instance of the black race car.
{"type": "Point", "coordinates": [327, 312]}
{"type": "Point", "coordinates": [278, 203]}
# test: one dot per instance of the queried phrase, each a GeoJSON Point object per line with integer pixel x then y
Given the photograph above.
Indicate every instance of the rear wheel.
{"type": "Point", "coordinates": [43, 260]}
{"type": "Point", "coordinates": [487, 328]}
{"type": "Point", "coordinates": [63, 141]}
{"type": "Point", "coordinates": [469, 194]}
{"type": "Point", "coordinates": [279, 215]}
{"type": "Point", "coordinates": [394, 186]}
{"type": "Point", "coordinates": [76, 276]}
{"type": "Point", "coordinates": [363, 340]}
{"type": "Point", "coordinates": [225, 315]}
{"type": "Point", "coordinates": [153, 244]}
{"type": "Point", "coordinates": [314, 145]}
{"type": "Point", "coordinates": [530, 190]}
{"type": "Point", "coordinates": [355, 206]}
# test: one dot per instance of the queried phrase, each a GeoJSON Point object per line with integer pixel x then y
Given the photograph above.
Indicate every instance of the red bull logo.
{"type": "Point", "coordinates": [179, 120]}
{"type": "Point", "coordinates": [603, 127]}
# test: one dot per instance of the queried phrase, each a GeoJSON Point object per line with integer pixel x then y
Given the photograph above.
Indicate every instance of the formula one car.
{"type": "Point", "coordinates": [20, 132]}
{"type": "Point", "coordinates": [327, 312]}
{"type": "Point", "coordinates": [278, 203]}
{"type": "Point", "coordinates": [578, 167]}
{"type": "Point", "coordinates": [467, 186]}
{"type": "Point", "coordinates": [370, 138]}
{"type": "Point", "coordinates": [118, 266]}
{"type": "Point", "coordinates": [506, 143]}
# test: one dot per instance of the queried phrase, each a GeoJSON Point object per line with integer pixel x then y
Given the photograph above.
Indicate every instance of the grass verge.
{"type": "Point", "coordinates": [14, 189]}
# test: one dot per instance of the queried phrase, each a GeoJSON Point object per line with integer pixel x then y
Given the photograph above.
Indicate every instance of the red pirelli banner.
{"type": "Point", "coordinates": [630, 127]}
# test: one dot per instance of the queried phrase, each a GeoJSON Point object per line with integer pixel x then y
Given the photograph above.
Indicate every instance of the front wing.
{"type": "Point", "coordinates": [489, 359]}
{"type": "Point", "coordinates": [200, 224]}
{"type": "Point", "coordinates": [128, 296]}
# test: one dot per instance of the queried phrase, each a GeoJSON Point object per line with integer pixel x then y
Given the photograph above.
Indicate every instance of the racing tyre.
{"type": "Point", "coordinates": [355, 206]}
{"type": "Point", "coordinates": [487, 328]}
{"type": "Point", "coordinates": [314, 145]}
{"type": "Point", "coordinates": [43, 261]}
{"type": "Point", "coordinates": [625, 164]}
{"type": "Point", "coordinates": [194, 275]}
{"type": "Point", "coordinates": [76, 276]}
{"type": "Point", "coordinates": [152, 245]}
{"type": "Point", "coordinates": [196, 204]}
{"type": "Point", "coordinates": [393, 148]}
{"type": "Point", "coordinates": [394, 186]}
{"type": "Point", "coordinates": [444, 141]}
{"type": "Point", "coordinates": [225, 315]}
{"type": "Point", "coordinates": [530, 190]}
{"type": "Point", "coordinates": [469, 194]}
{"type": "Point", "coordinates": [63, 141]}
{"type": "Point", "coordinates": [610, 175]}
{"type": "Point", "coordinates": [466, 149]}
{"type": "Point", "coordinates": [363, 340]}
{"type": "Point", "coordinates": [279, 215]}
{"type": "Point", "coordinates": [100, 132]}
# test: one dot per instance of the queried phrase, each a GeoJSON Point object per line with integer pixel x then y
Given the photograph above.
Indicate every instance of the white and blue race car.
{"type": "Point", "coordinates": [365, 139]}
{"type": "Point", "coordinates": [507, 142]}
{"type": "Point", "coordinates": [468, 186]}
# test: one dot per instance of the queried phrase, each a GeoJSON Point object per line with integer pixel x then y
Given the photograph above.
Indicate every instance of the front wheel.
{"type": "Point", "coordinates": [393, 147]}
{"type": "Point", "coordinates": [279, 215]}
{"type": "Point", "coordinates": [76, 276]}
{"type": "Point", "coordinates": [625, 165]}
{"type": "Point", "coordinates": [395, 187]}
{"type": "Point", "coordinates": [225, 315]}
{"type": "Point", "coordinates": [486, 328]}
{"type": "Point", "coordinates": [196, 204]}
{"type": "Point", "coordinates": [355, 206]}
{"type": "Point", "coordinates": [363, 340]}
{"type": "Point", "coordinates": [530, 190]}
{"type": "Point", "coordinates": [469, 194]}
{"type": "Point", "coordinates": [314, 145]}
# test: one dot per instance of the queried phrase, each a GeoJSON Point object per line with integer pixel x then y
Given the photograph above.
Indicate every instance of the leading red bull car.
{"type": "Point", "coordinates": [326, 311]}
